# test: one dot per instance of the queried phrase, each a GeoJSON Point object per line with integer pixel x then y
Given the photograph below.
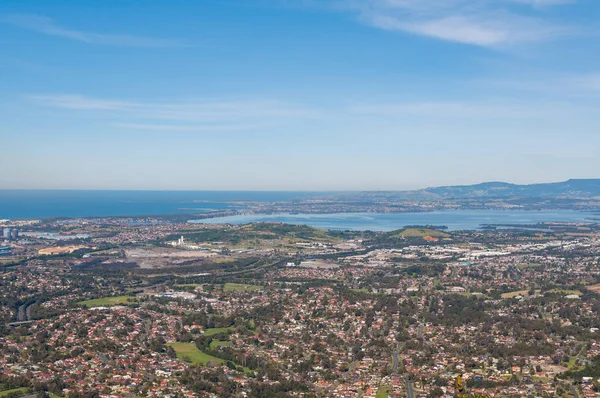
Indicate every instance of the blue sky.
{"type": "Point", "coordinates": [297, 94]}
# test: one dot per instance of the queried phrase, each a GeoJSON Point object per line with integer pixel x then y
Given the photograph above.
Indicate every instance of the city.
{"type": "Point", "coordinates": [299, 198]}
{"type": "Point", "coordinates": [267, 308]}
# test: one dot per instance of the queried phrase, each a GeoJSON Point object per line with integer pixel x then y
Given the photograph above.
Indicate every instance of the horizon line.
{"type": "Point", "coordinates": [292, 190]}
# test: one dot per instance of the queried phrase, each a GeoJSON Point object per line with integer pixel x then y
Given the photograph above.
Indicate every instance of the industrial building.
{"type": "Point", "coordinates": [10, 233]}
{"type": "Point", "coordinates": [5, 250]}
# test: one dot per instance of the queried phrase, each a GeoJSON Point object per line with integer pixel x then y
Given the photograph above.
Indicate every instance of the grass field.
{"type": "Point", "coordinates": [517, 293]}
{"type": "Point", "coordinates": [238, 287]}
{"type": "Point", "coordinates": [107, 301]}
{"type": "Point", "coordinates": [213, 331]}
{"type": "Point", "coordinates": [188, 352]}
{"type": "Point", "coordinates": [420, 233]}
{"type": "Point", "coordinates": [215, 343]}
{"type": "Point", "coordinates": [19, 390]}
{"type": "Point", "coordinates": [382, 392]}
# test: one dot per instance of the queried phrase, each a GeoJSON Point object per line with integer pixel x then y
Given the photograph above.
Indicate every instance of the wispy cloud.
{"type": "Point", "coordinates": [469, 109]}
{"type": "Point", "coordinates": [486, 23]}
{"type": "Point", "coordinates": [193, 128]}
{"type": "Point", "coordinates": [80, 102]}
{"type": "Point", "coordinates": [204, 115]}
{"type": "Point", "coordinates": [48, 27]}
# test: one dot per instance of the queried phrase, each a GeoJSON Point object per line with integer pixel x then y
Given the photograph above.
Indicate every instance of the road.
{"type": "Point", "coordinates": [410, 393]}
{"type": "Point", "coordinates": [574, 391]}
{"type": "Point", "coordinates": [395, 361]}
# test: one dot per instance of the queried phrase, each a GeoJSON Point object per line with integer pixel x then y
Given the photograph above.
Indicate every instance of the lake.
{"type": "Point", "coordinates": [453, 219]}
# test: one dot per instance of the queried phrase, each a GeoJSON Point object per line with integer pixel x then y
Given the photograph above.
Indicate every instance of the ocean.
{"type": "Point", "coordinates": [31, 204]}
{"type": "Point", "coordinates": [28, 204]}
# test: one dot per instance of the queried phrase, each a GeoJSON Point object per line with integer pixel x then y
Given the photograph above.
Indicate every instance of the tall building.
{"type": "Point", "coordinates": [6, 233]}
{"type": "Point", "coordinates": [14, 234]}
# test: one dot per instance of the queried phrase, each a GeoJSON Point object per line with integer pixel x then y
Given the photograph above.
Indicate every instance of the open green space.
{"type": "Point", "coordinates": [215, 343]}
{"type": "Point", "coordinates": [514, 294]}
{"type": "Point", "coordinates": [239, 287]}
{"type": "Point", "coordinates": [213, 331]}
{"type": "Point", "coordinates": [188, 352]}
{"type": "Point", "coordinates": [382, 392]}
{"type": "Point", "coordinates": [565, 292]}
{"type": "Point", "coordinates": [22, 390]}
{"type": "Point", "coordinates": [107, 301]}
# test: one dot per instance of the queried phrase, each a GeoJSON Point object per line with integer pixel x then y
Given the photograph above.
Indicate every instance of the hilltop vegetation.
{"type": "Point", "coordinates": [257, 231]}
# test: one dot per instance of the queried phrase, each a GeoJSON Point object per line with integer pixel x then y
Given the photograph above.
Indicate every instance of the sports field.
{"type": "Point", "coordinates": [239, 287]}
{"type": "Point", "coordinates": [107, 301]}
{"type": "Point", "coordinates": [190, 353]}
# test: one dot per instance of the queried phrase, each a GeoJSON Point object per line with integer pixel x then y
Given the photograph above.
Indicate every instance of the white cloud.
{"type": "Point", "coordinates": [487, 23]}
{"type": "Point", "coordinates": [48, 27]}
{"type": "Point", "coordinates": [204, 115]}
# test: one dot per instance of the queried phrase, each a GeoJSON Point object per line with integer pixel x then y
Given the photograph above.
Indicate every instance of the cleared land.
{"type": "Point", "coordinates": [526, 293]}
{"type": "Point", "coordinates": [60, 250]}
{"type": "Point", "coordinates": [594, 288]}
{"type": "Point", "coordinates": [238, 287]}
{"type": "Point", "coordinates": [188, 352]}
{"type": "Point", "coordinates": [107, 301]}
{"type": "Point", "coordinates": [517, 293]}
{"type": "Point", "coordinates": [420, 233]}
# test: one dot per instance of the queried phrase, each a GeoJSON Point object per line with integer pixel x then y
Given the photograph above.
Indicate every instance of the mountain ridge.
{"type": "Point", "coordinates": [572, 188]}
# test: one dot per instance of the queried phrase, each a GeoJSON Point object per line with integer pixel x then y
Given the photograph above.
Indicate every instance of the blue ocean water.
{"type": "Point", "coordinates": [453, 219]}
{"type": "Point", "coordinates": [15, 204]}
{"type": "Point", "coordinates": [24, 204]}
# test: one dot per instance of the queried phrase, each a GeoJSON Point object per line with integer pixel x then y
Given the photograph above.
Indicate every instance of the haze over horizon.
{"type": "Point", "coordinates": [297, 95]}
{"type": "Point", "coordinates": [422, 188]}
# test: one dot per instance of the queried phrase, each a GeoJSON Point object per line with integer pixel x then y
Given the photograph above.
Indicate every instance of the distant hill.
{"type": "Point", "coordinates": [569, 189]}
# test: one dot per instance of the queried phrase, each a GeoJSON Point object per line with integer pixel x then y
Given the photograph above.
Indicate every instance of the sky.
{"type": "Point", "coordinates": [297, 94]}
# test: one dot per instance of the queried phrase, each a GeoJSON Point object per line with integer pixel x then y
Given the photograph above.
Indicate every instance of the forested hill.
{"type": "Point", "coordinates": [571, 189]}
{"type": "Point", "coordinates": [588, 188]}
